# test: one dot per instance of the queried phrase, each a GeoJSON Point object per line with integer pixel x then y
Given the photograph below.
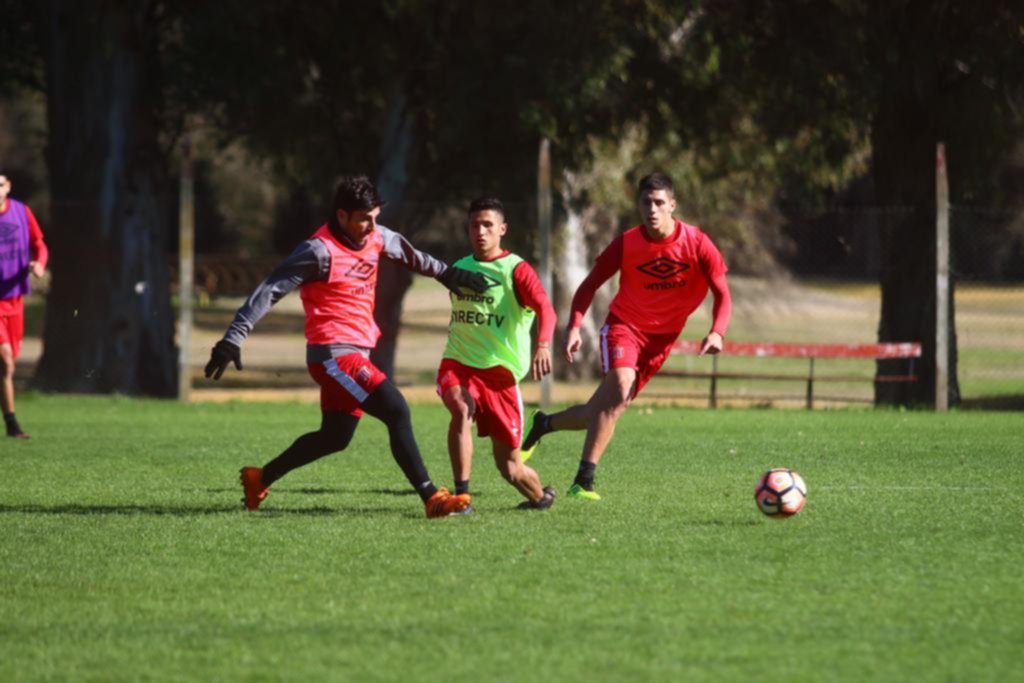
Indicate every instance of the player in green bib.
{"type": "Point", "coordinates": [488, 353]}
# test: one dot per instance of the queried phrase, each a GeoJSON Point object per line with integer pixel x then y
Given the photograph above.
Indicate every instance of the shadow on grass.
{"type": "Point", "coordinates": [723, 522]}
{"type": "Point", "coordinates": [321, 490]}
{"type": "Point", "coordinates": [171, 511]}
{"type": "Point", "coordinates": [393, 492]}
{"type": "Point", "coordinates": [305, 490]}
{"type": "Point", "coordinates": [326, 490]}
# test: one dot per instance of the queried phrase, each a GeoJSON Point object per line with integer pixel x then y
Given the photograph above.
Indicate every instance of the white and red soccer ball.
{"type": "Point", "coordinates": [780, 492]}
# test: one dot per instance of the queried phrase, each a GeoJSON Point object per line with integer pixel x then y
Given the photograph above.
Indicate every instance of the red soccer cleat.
{"type": "Point", "coordinates": [444, 504]}
{"type": "Point", "coordinates": [252, 484]}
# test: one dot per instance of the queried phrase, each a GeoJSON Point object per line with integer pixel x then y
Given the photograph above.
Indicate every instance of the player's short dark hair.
{"type": "Point", "coordinates": [656, 181]}
{"type": "Point", "coordinates": [486, 204]}
{"type": "Point", "coordinates": [356, 193]}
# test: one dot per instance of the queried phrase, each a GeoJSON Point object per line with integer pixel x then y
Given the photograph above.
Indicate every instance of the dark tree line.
{"type": "Point", "coordinates": [443, 100]}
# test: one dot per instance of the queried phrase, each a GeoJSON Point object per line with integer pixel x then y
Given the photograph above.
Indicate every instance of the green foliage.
{"type": "Point", "coordinates": [22, 136]}
{"type": "Point", "coordinates": [20, 46]}
{"type": "Point", "coordinates": [126, 555]}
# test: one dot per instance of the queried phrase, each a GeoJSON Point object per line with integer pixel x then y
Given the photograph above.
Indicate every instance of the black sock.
{"type": "Point", "coordinates": [336, 430]}
{"type": "Point", "coordinates": [585, 475]}
{"type": "Point", "coordinates": [11, 422]}
{"type": "Point", "coordinates": [388, 405]}
{"type": "Point", "coordinates": [462, 486]}
{"type": "Point", "coordinates": [304, 450]}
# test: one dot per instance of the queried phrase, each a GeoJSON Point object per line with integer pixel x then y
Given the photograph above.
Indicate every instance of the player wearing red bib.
{"type": "Point", "coordinates": [666, 269]}
{"type": "Point", "coordinates": [488, 353]}
{"type": "Point", "coordinates": [335, 272]}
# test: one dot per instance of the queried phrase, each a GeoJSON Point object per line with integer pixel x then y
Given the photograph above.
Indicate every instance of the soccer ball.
{"type": "Point", "coordinates": [780, 492]}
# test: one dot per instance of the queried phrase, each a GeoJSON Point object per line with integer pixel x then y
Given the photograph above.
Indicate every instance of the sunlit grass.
{"type": "Point", "coordinates": [126, 555]}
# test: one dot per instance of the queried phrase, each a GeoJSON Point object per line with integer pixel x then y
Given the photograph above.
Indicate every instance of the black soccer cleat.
{"type": "Point", "coordinates": [546, 501]}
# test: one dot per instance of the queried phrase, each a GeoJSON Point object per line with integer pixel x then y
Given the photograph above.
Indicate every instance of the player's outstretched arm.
{"type": "Point", "coordinates": [310, 261]}
{"type": "Point", "coordinates": [457, 279]}
{"type": "Point", "coordinates": [222, 354]}
{"type": "Point", "coordinates": [399, 250]}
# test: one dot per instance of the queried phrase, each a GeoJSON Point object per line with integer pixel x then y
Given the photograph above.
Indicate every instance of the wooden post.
{"type": "Point", "coordinates": [810, 385]}
{"type": "Point", "coordinates": [941, 281]}
{"type": "Point", "coordinates": [544, 239]}
{"type": "Point", "coordinates": [714, 381]}
{"type": "Point", "coordinates": [186, 231]}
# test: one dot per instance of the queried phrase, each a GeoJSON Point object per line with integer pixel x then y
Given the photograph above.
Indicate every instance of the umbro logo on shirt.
{"type": "Point", "coordinates": [491, 282]}
{"type": "Point", "coordinates": [663, 268]}
{"type": "Point", "coordinates": [362, 270]}
{"type": "Point", "coordinates": [8, 229]}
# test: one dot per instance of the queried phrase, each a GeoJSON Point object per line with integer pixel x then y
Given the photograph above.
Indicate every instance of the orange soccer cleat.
{"type": "Point", "coordinates": [443, 504]}
{"type": "Point", "coordinates": [252, 484]}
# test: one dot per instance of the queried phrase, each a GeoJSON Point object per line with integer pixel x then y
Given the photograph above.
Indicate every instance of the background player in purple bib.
{"type": "Point", "coordinates": [22, 253]}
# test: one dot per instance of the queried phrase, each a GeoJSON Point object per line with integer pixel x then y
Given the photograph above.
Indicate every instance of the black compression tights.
{"type": "Point", "coordinates": [336, 429]}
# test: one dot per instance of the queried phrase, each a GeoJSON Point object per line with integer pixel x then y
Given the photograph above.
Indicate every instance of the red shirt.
{"type": "Point", "coordinates": [661, 282]}
{"type": "Point", "coordinates": [530, 294]}
{"type": "Point", "coordinates": [38, 250]}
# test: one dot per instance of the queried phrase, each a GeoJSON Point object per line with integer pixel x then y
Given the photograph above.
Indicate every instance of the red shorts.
{"type": "Point", "coordinates": [499, 405]}
{"type": "Point", "coordinates": [625, 347]}
{"type": "Point", "coordinates": [345, 382]}
{"type": "Point", "coordinates": [12, 325]}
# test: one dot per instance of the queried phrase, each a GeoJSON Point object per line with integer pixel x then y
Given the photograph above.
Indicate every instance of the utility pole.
{"type": "Point", "coordinates": [186, 265]}
{"type": "Point", "coordinates": [544, 235]}
{"type": "Point", "coordinates": [941, 281]}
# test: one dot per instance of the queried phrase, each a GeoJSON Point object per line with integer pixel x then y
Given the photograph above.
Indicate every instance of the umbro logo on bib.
{"type": "Point", "coordinates": [362, 270]}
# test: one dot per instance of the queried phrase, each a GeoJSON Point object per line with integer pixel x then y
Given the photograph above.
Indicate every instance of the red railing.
{"type": "Point", "coordinates": [890, 350]}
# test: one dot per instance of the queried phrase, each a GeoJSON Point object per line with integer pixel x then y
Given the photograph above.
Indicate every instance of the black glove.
{"type": "Point", "coordinates": [456, 278]}
{"type": "Point", "coordinates": [223, 352]}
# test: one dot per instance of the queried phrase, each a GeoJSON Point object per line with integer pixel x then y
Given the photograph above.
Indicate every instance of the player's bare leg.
{"type": "Point", "coordinates": [572, 419]}
{"type": "Point", "coordinates": [7, 392]}
{"type": "Point", "coordinates": [512, 468]}
{"type": "Point", "coordinates": [524, 478]}
{"type": "Point", "coordinates": [7, 370]}
{"type": "Point", "coordinates": [604, 409]}
{"type": "Point", "coordinates": [460, 433]}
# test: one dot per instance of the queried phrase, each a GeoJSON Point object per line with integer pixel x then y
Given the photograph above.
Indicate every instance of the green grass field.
{"type": "Point", "coordinates": [126, 556]}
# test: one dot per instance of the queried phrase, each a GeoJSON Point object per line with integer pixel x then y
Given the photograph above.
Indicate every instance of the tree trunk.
{"type": "Point", "coordinates": [572, 261]}
{"type": "Point", "coordinates": [392, 284]}
{"type": "Point", "coordinates": [903, 141]}
{"type": "Point", "coordinates": [392, 281]}
{"type": "Point", "coordinates": [109, 324]}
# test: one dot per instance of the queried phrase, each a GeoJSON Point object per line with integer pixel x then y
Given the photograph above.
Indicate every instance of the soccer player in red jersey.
{"type": "Point", "coordinates": [335, 272]}
{"type": "Point", "coordinates": [666, 268]}
{"type": "Point", "coordinates": [488, 353]}
{"type": "Point", "coordinates": [22, 253]}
